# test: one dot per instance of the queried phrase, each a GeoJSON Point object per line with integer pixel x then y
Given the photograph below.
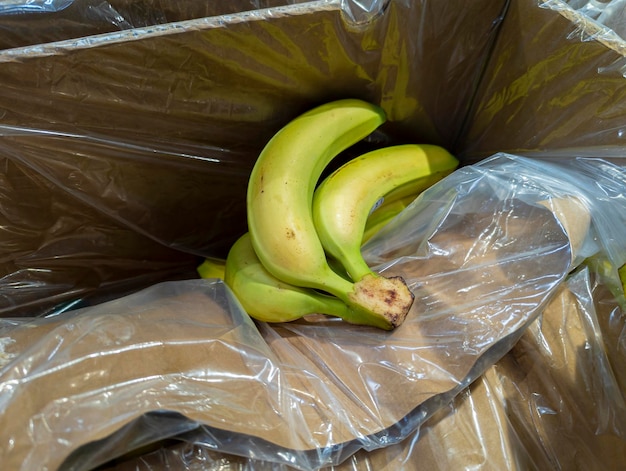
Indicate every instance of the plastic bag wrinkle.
{"type": "Point", "coordinates": [343, 388]}
{"type": "Point", "coordinates": [84, 216]}
{"type": "Point", "coordinates": [117, 338]}
{"type": "Point", "coordinates": [33, 6]}
{"type": "Point", "coordinates": [587, 28]}
{"type": "Point", "coordinates": [607, 14]}
{"type": "Point", "coordinates": [528, 411]}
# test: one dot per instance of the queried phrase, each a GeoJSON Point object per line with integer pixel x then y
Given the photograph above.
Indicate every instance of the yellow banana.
{"type": "Point", "coordinates": [268, 299]}
{"type": "Point", "coordinates": [279, 198]}
{"type": "Point", "coordinates": [342, 202]}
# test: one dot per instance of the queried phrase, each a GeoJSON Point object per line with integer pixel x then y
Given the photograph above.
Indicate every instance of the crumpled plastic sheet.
{"type": "Point", "coordinates": [86, 219]}
{"type": "Point", "coordinates": [485, 251]}
{"type": "Point", "coordinates": [555, 401]}
{"type": "Point", "coordinates": [594, 20]}
{"type": "Point", "coordinates": [10, 7]}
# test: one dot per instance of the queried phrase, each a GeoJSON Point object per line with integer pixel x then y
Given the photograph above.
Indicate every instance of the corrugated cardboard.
{"type": "Point", "coordinates": [123, 150]}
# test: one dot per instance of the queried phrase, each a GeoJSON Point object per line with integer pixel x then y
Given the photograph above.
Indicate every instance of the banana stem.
{"type": "Point", "coordinates": [334, 306]}
{"type": "Point", "coordinates": [373, 300]}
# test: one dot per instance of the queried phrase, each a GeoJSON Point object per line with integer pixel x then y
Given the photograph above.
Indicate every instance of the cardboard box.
{"type": "Point", "coordinates": [125, 158]}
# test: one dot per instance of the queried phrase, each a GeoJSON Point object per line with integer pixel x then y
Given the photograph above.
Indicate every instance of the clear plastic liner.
{"type": "Point", "coordinates": [9, 7]}
{"type": "Point", "coordinates": [609, 13]}
{"type": "Point", "coordinates": [124, 156]}
{"type": "Point", "coordinates": [553, 82]}
{"type": "Point", "coordinates": [35, 22]}
{"type": "Point", "coordinates": [555, 401]}
{"type": "Point", "coordinates": [128, 133]}
{"type": "Point", "coordinates": [83, 218]}
{"type": "Point", "coordinates": [484, 250]}
{"type": "Point", "coordinates": [583, 191]}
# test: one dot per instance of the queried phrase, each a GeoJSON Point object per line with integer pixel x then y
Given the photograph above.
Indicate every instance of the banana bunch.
{"type": "Point", "coordinates": [302, 252]}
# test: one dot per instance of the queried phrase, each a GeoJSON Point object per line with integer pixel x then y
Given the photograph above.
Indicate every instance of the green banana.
{"type": "Point", "coordinates": [343, 201]}
{"type": "Point", "coordinates": [212, 268]}
{"type": "Point", "coordinates": [279, 197]}
{"type": "Point", "coordinates": [268, 299]}
{"type": "Point", "coordinates": [394, 202]}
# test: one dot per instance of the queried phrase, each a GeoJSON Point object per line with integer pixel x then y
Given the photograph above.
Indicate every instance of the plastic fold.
{"type": "Point", "coordinates": [185, 354]}
{"type": "Point", "coordinates": [536, 408]}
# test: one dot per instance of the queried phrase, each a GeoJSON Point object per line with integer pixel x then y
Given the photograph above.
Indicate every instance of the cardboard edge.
{"type": "Point", "coordinates": [186, 26]}
{"type": "Point", "coordinates": [588, 28]}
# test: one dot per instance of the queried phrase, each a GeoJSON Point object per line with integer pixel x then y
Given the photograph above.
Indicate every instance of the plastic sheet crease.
{"type": "Point", "coordinates": [468, 247]}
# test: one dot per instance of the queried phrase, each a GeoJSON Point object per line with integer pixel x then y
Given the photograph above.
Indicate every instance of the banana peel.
{"type": "Point", "coordinates": [212, 268]}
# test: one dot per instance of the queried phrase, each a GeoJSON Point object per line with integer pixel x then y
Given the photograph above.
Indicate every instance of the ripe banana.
{"type": "Point", "coordinates": [279, 198]}
{"type": "Point", "coordinates": [268, 299]}
{"type": "Point", "coordinates": [342, 202]}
